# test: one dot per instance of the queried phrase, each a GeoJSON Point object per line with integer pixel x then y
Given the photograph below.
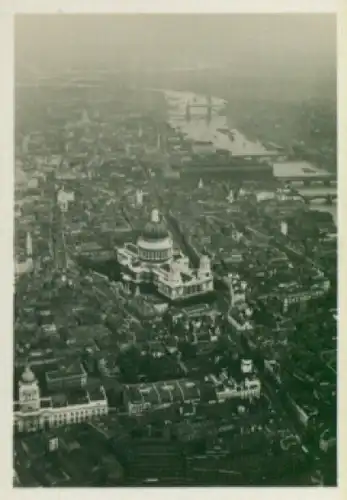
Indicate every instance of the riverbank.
{"type": "Point", "coordinates": [217, 129]}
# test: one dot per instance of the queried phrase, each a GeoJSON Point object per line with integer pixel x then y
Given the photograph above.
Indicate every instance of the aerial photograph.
{"type": "Point", "coordinates": [175, 250]}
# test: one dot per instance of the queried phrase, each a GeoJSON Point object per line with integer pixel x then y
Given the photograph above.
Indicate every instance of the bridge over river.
{"type": "Point", "coordinates": [317, 194]}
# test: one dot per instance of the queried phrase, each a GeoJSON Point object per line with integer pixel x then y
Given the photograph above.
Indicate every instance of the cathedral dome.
{"type": "Point", "coordinates": [155, 243]}
{"type": "Point", "coordinates": [28, 376]}
{"type": "Point", "coordinates": [155, 229]}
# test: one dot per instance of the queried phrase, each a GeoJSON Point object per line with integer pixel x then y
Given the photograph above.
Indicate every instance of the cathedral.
{"type": "Point", "coordinates": [153, 261]}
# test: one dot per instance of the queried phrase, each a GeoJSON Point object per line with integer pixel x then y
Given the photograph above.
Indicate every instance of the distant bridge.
{"type": "Point", "coordinates": [304, 180]}
{"type": "Point", "coordinates": [208, 106]}
{"type": "Point", "coordinates": [329, 199]}
{"type": "Point", "coordinates": [328, 195]}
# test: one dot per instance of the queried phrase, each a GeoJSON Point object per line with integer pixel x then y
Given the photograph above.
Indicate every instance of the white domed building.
{"type": "Point", "coordinates": [152, 261]}
{"type": "Point", "coordinates": [155, 245]}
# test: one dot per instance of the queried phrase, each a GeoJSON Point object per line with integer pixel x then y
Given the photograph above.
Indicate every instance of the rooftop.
{"type": "Point", "coordinates": [159, 393]}
{"type": "Point", "coordinates": [73, 368]}
{"type": "Point", "coordinates": [59, 400]}
{"type": "Point", "coordinates": [96, 394]}
{"type": "Point", "coordinates": [298, 169]}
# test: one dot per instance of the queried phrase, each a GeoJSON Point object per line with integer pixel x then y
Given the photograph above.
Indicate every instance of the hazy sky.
{"type": "Point", "coordinates": [268, 41]}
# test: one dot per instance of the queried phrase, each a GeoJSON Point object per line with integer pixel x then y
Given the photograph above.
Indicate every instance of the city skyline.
{"type": "Point", "coordinates": [175, 251]}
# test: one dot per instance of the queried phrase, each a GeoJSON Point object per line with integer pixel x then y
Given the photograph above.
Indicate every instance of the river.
{"type": "Point", "coordinates": [217, 129]}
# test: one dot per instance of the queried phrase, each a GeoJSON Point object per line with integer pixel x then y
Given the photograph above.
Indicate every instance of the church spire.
{"type": "Point", "coordinates": [29, 245]}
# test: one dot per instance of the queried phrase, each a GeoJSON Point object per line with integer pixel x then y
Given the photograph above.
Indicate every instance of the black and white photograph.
{"type": "Point", "coordinates": [175, 250]}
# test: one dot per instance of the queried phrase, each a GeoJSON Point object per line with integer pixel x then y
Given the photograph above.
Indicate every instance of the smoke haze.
{"type": "Point", "coordinates": [248, 43]}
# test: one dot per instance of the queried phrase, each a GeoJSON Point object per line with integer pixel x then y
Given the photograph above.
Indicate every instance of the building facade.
{"type": "Point", "coordinates": [27, 265]}
{"type": "Point", "coordinates": [139, 398]}
{"type": "Point", "coordinates": [246, 387]}
{"type": "Point", "coordinates": [33, 412]}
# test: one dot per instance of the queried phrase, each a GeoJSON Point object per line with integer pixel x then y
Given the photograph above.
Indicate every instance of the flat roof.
{"type": "Point", "coordinates": [59, 400]}
{"type": "Point", "coordinates": [96, 394]}
{"type": "Point", "coordinates": [78, 397]}
{"type": "Point", "coordinates": [66, 370]}
{"type": "Point", "coordinates": [298, 169]}
{"type": "Point", "coordinates": [159, 393]}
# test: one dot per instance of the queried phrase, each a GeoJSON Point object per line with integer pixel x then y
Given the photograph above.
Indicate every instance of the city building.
{"type": "Point", "coordinates": [33, 412]}
{"type": "Point", "coordinates": [64, 198]}
{"type": "Point", "coordinates": [139, 398]}
{"type": "Point", "coordinates": [107, 365]}
{"type": "Point", "coordinates": [153, 261]}
{"type": "Point", "coordinates": [210, 167]}
{"type": "Point", "coordinates": [301, 172]}
{"type": "Point", "coordinates": [203, 147]}
{"type": "Point", "coordinates": [293, 297]}
{"type": "Point", "coordinates": [66, 375]}
{"type": "Point", "coordinates": [22, 267]}
{"type": "Point", "coordinates": [247, 386]}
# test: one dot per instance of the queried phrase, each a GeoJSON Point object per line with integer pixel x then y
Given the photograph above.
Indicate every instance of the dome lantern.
{"type": "Point", "coordinates": [155, 216]}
